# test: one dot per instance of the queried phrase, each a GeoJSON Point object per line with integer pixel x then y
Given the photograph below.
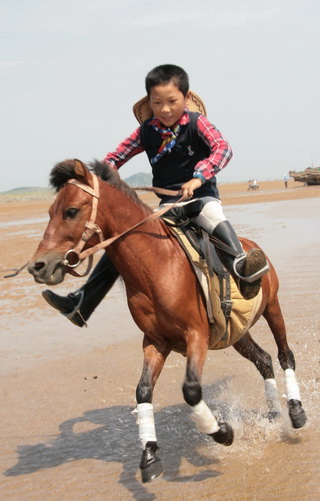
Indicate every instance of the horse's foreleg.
{"type": "Point", "coordinates": [154, 359]}
{"type": "Point", "coordinates": [273, 316]}
{"type": "Point", "coordinates": [247, 347]}
{"type": "Point", "coordinates": [205, 421]}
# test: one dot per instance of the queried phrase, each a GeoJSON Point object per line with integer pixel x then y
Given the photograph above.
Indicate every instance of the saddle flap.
{"type": "Point", "coordinates": [211, 256]}
{"type": "Point", "coordinates": [199, 239]}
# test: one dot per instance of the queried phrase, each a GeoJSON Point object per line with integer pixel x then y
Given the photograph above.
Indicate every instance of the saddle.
{"type": "Point", "coordinates": [180, 217]}
{"type": "Point", "coordinates": [229, 314]}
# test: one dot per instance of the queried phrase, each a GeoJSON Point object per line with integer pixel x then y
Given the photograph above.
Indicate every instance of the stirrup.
{"type": "Point", "coordinates": [76, 309]}
{"type": "Point", "coordinates": [250, 278]}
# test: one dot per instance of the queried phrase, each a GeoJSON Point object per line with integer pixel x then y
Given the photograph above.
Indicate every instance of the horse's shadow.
{"type": "Point", "coordinates": [115, 439]}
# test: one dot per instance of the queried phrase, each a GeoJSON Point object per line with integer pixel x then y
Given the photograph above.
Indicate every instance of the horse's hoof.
{"type": "Point", "coordinates": [150, 464]}
{"type": "Point", "coordinates": [297, 415]}
{"type": "Point", "coordinates": [223, 436]}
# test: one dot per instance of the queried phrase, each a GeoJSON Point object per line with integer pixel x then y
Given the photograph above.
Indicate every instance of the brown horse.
{"type": "Point", "coordinates": [163, 293]}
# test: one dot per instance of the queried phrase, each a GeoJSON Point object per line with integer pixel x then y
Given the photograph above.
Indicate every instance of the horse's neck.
{"type": "Point", "coordinates": [119, 212]}
{"type": "Point", "coordinates": [141, 248]}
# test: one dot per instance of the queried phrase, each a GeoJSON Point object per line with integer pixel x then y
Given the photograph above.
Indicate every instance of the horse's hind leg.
{"type": "Point", "coordinates": [205, 421]}
{"type": "Point", "coordinates": [273, 316]}
{"type": "Point", "coordinates": [154, 359]}
{"type": "Point", "coordinates": [249, 349]}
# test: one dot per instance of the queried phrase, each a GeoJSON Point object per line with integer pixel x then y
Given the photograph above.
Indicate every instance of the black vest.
{"type": "Point", "coordinates": [177, 167]}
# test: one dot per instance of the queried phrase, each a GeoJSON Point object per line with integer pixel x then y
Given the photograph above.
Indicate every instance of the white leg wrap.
{"type": "Point", "coordinates": [145, 421]}
{"type": "Point", "coordinates": [292, 387]}
{"type": "Point", "coordinates": [272, 396]}
{"type": "Point", "coordinates": [204, 419]}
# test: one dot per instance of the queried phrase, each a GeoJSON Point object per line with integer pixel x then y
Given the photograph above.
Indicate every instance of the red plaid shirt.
{"type": "Point", "coordinates": [220, 150]}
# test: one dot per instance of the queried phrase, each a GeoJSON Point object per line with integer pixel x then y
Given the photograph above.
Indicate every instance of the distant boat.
{"type": "Point", "coordinates": [310, 176]}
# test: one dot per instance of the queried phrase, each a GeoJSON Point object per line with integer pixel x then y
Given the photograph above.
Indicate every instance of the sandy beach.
{"type": "Point", "coordinates": [67, 393]}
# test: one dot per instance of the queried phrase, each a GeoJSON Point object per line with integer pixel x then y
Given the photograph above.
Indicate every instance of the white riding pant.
{"type": "Point", "coordinates": [210, 216]}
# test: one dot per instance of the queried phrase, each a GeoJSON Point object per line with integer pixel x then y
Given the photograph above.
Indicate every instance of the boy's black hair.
{"type": "Point", "coordinates": [168, 73]}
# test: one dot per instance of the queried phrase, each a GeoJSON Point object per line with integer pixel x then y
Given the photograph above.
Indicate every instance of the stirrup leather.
{"type": "Point", "coordinates": [76, 309]}
{"type": "Point", "coordinates": [250, 278]}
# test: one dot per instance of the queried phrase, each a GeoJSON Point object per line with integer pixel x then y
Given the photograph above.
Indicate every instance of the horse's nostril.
{"type": "Point", "coordinates": [38, 265]}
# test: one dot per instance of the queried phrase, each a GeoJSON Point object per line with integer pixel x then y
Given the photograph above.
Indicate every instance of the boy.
{"type": "Point", "coordinates": [185, 152]}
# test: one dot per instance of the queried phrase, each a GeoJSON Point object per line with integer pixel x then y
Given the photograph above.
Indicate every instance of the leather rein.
{"type": "Point", "coordinates": [91, 228]}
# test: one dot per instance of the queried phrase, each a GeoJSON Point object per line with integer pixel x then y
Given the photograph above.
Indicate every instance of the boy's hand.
{"type": "Point", "coordinates": [187, 189]}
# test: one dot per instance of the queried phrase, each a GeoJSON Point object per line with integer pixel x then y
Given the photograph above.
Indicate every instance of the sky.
{"type": "Point", "coordinates": [71, 70]}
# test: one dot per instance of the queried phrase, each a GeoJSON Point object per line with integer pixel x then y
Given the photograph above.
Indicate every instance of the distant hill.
{"type": "Point", "coordinates": [26, 194]}
{"type": "Point", "coordinates": [139, 179]}
{"type": "Point", "coordinates": [36, 193]}
{"type": "Point", "coordinates": [33, 189]}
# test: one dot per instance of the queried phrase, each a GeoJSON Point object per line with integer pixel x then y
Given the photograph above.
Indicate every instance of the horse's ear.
{"type": "Point", "coordinates": [79, 168]}
{"type": "Point", "coordinates": [82, 173]}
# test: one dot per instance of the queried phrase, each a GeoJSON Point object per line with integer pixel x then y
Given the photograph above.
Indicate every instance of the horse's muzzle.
{"type": "Point", "coordinates": [47, 269]}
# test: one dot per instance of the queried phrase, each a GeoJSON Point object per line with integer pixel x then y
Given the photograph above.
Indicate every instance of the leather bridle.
{"type": "Point", "coordinates": [90, 227]}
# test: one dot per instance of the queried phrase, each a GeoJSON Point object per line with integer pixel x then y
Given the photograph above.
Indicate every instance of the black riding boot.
{"type": "Point", "coordinates": [79, 305]}
{"type": "Point", "coordinates": [246, 269]}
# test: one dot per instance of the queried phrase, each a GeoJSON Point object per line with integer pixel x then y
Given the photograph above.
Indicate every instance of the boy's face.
{"type": "Point", "coordinates": [167, 103]}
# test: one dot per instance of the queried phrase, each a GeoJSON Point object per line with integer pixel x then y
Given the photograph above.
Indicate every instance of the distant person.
{"type": "Point", "coordinates": [285, 179]}
{"type": "Point", "coordinates": [185, 152]}
{"type": "Point", "coordinates": [253, 185]}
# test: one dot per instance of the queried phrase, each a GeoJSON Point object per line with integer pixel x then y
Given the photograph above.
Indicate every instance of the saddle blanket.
{"type": "Point", "coordinates": [243, 312]}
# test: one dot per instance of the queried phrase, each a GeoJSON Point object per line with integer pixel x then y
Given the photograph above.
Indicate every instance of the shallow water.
{"type": "Point", "coordinates": [23, 222]}
{"type": "Point", "coordinates": [282, 227]}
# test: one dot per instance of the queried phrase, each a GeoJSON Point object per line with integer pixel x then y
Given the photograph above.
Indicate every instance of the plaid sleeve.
{"type": "Point", "coordinates": [220, 150]}
{"type": "Point", "coordinates": [127, 149]}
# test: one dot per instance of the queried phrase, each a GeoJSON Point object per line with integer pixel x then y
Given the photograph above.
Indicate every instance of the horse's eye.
{"type": "Point", "coordinates": [70, 213]}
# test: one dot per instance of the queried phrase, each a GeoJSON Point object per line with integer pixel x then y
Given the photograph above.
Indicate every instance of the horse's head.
{"type": "Point", "coordinates": [69, 213]}
{"type": "Point", "coordinates": [77, 222]}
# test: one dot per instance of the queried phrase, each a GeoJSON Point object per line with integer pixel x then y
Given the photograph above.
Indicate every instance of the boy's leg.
{"type": "Point", "coordinates": [79, 305]}
{"type": "Point", "coordinates": [246, 269]}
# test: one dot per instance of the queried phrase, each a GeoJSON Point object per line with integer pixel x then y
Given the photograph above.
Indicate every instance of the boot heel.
{"type": "Point", "coordinates": [255, 266]}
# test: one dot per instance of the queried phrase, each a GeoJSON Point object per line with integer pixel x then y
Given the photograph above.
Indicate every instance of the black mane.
{"type": "Point", "coordinates": [60, 174]}
{"type": "Point", "coordinates": [63, 171]}
{"type": "Point", "coordinates": [106, 173]}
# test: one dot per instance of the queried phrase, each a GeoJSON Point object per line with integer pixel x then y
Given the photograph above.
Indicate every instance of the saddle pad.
{"type": "Point", "coordinates": [242, 313]}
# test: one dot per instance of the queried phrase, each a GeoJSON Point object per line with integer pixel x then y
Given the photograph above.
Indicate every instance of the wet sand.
{"type": "Point", "coordinates": [67, 393]}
